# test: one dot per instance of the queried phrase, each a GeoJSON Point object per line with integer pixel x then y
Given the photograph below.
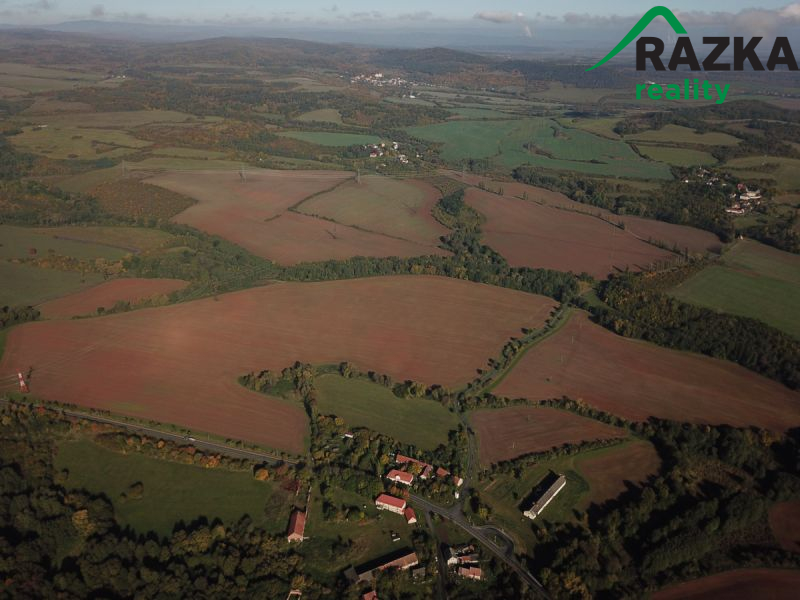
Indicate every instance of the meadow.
{"type": "Point", "coordinates": [322, 115]}
{"type": "Point", "coordinates": [677, 134]}
{"type": "Point", "coordinates": [173, 492]}
{"type": "Point", "coordinates": [680, 157]}
{"type": "Point", "coordinates": [751, 280]}
{"type": "Point", "coordinates": [418, 421]}
{"type": "Point", "coordinates": [19, 242]}
{"type": "Point", "coordinates": [549, 145]}
{"type": "Point", "coordinates": [322, 138]}
{"type": "Point", "coordinates": [27, 285]}
{"type": "Point", "coordinates": [75, 142]}
{"type": "Point", "coordinates": [784, 171]}
{"type": "Point", "coordinates": [398, 208]}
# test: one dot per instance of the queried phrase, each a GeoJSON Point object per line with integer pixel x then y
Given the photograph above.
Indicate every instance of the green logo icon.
{"type": "Point", "coordinates": [636, 30]}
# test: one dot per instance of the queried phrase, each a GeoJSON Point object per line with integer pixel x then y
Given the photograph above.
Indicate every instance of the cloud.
{"type": "Point", "coordinates": [503, 18]}
{"type": "Point", "coordinates": [499, 17]}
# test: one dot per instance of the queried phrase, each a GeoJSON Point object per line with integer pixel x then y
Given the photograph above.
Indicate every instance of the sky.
{"type": "Point", "coordinates": [343, 12]}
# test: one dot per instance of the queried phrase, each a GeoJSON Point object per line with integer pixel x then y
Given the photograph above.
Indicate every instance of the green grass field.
{"type": "Point", "coordinates": [119, 239]}
{"type": "Point", "coordinates": [27, 285]}
{"type": "Point", "coordinates": [322, 138]}
{"type": "Point", "coordinates": [677, 134]}
{"type": "Point", "coordinates": [17, 242]}
{"type": "Point", "coordinates": [361, 403]}
{"type": "Point", "coordinates": [751, 280]}
{"type": "Point", "coordinates": [371, 537]}
{"type": "Point", "coordinates": [172, 491]}
{"type": "Point", "coordinates": [389, 206]}
{"type": "Point", "coordinates": [681, 157]}
{"type": "Point", "coordinates": [553, 147]}
{"type": "Point", "coordinates": [71, 141]}
{"type": "Point", "coordinates": [784, 171]}
{"type": "Point", "coordinates": [603, 126]}
{"type": "Point", "coordinates": [322, 115]}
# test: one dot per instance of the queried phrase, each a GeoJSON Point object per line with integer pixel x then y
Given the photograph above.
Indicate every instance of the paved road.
{"type": "Point", "coordinates": [485, 535]}
{"type": "Point", "coordinates": [441, 583]}
{"type": "Point", "coordinates": [176, 437]}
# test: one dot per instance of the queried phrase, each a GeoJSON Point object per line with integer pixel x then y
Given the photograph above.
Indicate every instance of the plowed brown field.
{"type": "Point", "coordinates": [680, 236]}
{"type": "Point", "coordinates": [506, 433]}
{"type": "Point", "coordinates": [107, 294]}
{"type": "Point", "coordinates": [635, 379]}
{"type": "Point", "coordinates": [179, 363]}
{"type": "Point", "coordinates": [741, 584]}
{"type": "Point", "coordinates": [784, 520]}
{"type": "Point", "coordinates": [530, 235]}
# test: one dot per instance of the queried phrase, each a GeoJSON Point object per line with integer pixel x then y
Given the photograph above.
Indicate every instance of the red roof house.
{"type": "Point", "coordinates": [297, 526]}
{"type": "Point", "coordinates": [387, 502]}
{"type": "Point", "coordinates": [410, 515]}
{"type": "Point", "coordinates": [400, 477]}
{"type": "Point", "coordinates": [470, 572]}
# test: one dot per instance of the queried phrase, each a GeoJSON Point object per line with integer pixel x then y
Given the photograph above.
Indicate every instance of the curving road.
{"type": "Point", "coordinates": [484, 535]}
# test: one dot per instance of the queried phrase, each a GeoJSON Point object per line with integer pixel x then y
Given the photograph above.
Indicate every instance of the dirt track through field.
{"type": "Point", "coordinates": [255, 215]}
{"type": "Point", "coordinates": [180, 363]}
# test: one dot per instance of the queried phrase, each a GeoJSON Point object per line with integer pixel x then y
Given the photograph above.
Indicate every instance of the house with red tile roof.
{"type": "Point", "coordinates": [410, 515]}
{"type": "Point", "coordinates": [390, 503]}
{"type": "Point", "coordinates": [400, 477]}
{"type": "Point", "coordinates": [297, 526]}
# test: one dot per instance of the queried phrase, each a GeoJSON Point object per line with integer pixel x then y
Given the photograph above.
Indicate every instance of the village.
{"type": "Point", "coordinates": [462, 561]}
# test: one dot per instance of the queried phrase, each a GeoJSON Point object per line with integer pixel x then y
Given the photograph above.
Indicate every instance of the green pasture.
{"type": "Point", "coordinates": [27, 285]}
{"type": "Point", "coordinates": [677, 134]}
{"type": "Point", "coordinates": [551, 146]}
{"type": "Point", "coordinates": [361, 403]}
{"type": "Point", "coordinates": [390, 206]}
{"type": "Point", "coordinates": [751, 280]}
{"type": "Point", "coordinates": [72, 141]}
{"type": "Point", "coordinates": [680, 157]}
{"type": "Point", "coordinates": [18, 242]}
{"type": "Point", "coordinates": [173, 492]}
{"type": "Point", "coordinates": [784, 171]}
{"type": "Point", "coordinates": [322, 115]}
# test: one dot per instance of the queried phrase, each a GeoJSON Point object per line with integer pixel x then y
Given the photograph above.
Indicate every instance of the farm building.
{"type": "Point", "coordinates": [470, 573]}
{"type": "Point", "coordinates": [410, 515]}
{"type": "Point", "coordinates": [387, 502]}
{"type": "Point", "coordinates": [546, 497]}
{"type": "Point", "coordinates": [400, 477]}
{"type": "Point", "coordinates": [402, 560]}
{"type": "Point", "coordinates": [297, 526]}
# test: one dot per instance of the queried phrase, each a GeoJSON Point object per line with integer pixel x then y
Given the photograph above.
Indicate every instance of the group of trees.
{"type": "Point", "coordinates": [10, 316]}
{"type": "Point", "coordinates": [670, 528]}
{"type": "Point", "coordinates": [61, 542]}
